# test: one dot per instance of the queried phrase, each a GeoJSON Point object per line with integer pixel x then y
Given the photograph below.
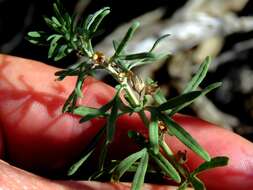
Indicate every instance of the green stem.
{"type": "Point", "coordinates": [132, 98]}
{"type": "Point", "coordinates": [144, 118]}
{"type": "Point", "coordinates": [166, 148]}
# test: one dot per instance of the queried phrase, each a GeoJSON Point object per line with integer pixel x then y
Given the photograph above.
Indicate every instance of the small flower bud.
{"type": "Point", "coordinates": [98, 57]}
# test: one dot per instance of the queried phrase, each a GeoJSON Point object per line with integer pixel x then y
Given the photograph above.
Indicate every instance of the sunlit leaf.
{"type": "Point", "coordinates": [154, 134]}
{"type": "Point", "coordinates": [98, 19]}
{"type": "Point", "coordinates": [138, 56]}
{"type": "Point", "coordinates": [199, 76]}
{"type": "Point", "coordinates": [159, 97]}
{"type": "Point", "coordinates": [218, 161]}
{"type": "Point", "coordinates": [197, 183]}
{"type": "Point", "coordinates": [54, 42]}
{"type": "Point", "coordinates": [166, 166]}
{"type": "Point", "coordinates": [125, 164]}
{"type": "Point", "coordinates": [158, 41]}
{"type": "Point", "coordinates": [56, 22]}
{"type": "Point", "coordinates": [139, 176]}
{"type": "Point", "coordinates": [62, 52]}
{"type": "Point", "coordinates": [111, 121]}
{"type": "Point", "coordinates": [34, 34]}
{"type": "Point", "coordinates": [73, 169]}
{"type": "Point", "coordinates": [37, 37]}
{"type": "Point", "coordinates": [179, 100]}
{"type": "Point", "coordinates": [184, 136]}
{"type": "Point", "coordinates": [91, 18]}
{"type": "Point", "coordinates": [183, 186]}
{"type": "Point", "coordinates": [126, 39]}
{"type": "Point", "coordinates": [90, 113]}
{"type": "Point", "coordinates": [203, 92]}
{"type": "Point", "coordinates": [90, 148]}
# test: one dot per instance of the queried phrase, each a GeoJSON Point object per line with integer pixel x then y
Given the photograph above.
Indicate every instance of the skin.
{"type": "Point", "coordinates": [37, 137]}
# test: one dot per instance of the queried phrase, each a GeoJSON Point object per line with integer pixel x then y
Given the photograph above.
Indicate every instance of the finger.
{"type": "Point", "coordinates": [219, 142]}
{"type": "Point", "coordinates": [38, 136]}
{"type": "Point", "coordinates": [1, 144]}
{"type": "Point", "coordinates": [17, 179]}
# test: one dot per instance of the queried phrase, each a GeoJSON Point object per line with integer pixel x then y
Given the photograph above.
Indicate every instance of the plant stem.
{"type": "Point", "coordinates": [132, 98]}
{"type": "Point", "coordinates": [144, 118]}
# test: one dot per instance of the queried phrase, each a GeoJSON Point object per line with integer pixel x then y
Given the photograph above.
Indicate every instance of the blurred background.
{"type": "Point", "coordinates": [222, 29]}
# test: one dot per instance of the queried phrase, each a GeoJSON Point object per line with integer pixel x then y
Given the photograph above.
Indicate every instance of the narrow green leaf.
{"type": "Point", "coordinates": [134, 61]}
{"type": "Point", "coordinates": [86, 22]}
{"type": "Point", "coordinates": [183, 186]}
{"type": "Point", "coordinates": [58, 11]}
{"type": "Point", "coordinates": [52, 25]}
{"type": "Point", "coordinates": [199, 76]}
{"type": "Point", "coordinates": [203, 92]}
{"type": "Point", "coordinates": [72, 70]}
{"type": "Point", "coordinates": [165, 147]}
{"type": "Point", "coordinates": [197, 183]}
{"type": "Point", "coordinates": [54, 42]}
{"type": "Point", "coordinates": [90, 149]}
{"type": "Point", "coordinates": [88, 116]}
{"type": "Point", "coordinates": [73, 169]}
{"type": "Point", "coordinates": [211, 87]}
{"type": "Point", "coordinates": [158, 41]}
{"type": "Point", "coordinates": [115, 44]}
{"type": "Point", "coordinates": [218, 161]}
{"type": "Point", "coordinates": [184, 136]}
{"type": "Point", "coordinates": [61, 53]}
{"type": "Point", "coordinates": [68, 20]}
{"type": "Point", "coordinates": [78, 89]}
{"type": "Point", "coordinates": [102, 156]}
{"type": "Point", "coordinates": [179, 100]}
{"type": "Point", "coordinates": [134, 167]}
{"type": "Point", "coordinates": [159, 97]}
{"type": "Point", "coordinates": [125, 164]}
{"type": "Point", "coordinates": [98, 19]}
{"type": "Point", "coordinates": [168, 152]}
{"type": "Point", "coordinates": [126, 39]}
{"type": "Point", "coordinates": [154, 133]}
{"type": "Point", "coordinates": [83, 111]}
{"type": "Point", "coordinates": [139, 176]}
{"type": "Point", "coordinates": [37, 37]}
{"type": "Point", "coordinates": [66, 72]}
{"type": "Point", "coordinates": [34, 34]}
{"type": "Point", "coordinates": [111, 121]}
{"type": "Point", "coordinates": [166, 166]}
{"type": "Point", "coordinates": [56, 22]}
{"type": "Point", "coordinates": [90, 21]}
{"type": "Point", "coordinates": [68, 102]}
{"type": "Point", "coordinates": [144, 55]}
{"type": "Point", "coordinates": [34, 41]}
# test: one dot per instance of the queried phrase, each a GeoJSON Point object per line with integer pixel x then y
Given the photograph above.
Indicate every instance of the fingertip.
{"type": "Point", "coordinates": [238, 174]}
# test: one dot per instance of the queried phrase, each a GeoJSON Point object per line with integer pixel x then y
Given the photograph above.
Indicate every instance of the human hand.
{"type": "Point", "coordinates": [38, 137]}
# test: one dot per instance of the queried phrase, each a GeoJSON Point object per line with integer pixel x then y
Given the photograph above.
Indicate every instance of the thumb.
{"type": "Point", "coordinates": [37, 135]}
{"type": "Point", "coordinates": [17, 179]}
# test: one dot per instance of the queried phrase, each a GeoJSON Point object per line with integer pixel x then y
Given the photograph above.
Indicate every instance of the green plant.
{"type": "Point", "coordinates": [75, 36]}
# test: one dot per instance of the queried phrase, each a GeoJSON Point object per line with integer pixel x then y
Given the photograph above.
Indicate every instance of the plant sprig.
{"type": "Point", "coordinates": [72, 36]}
